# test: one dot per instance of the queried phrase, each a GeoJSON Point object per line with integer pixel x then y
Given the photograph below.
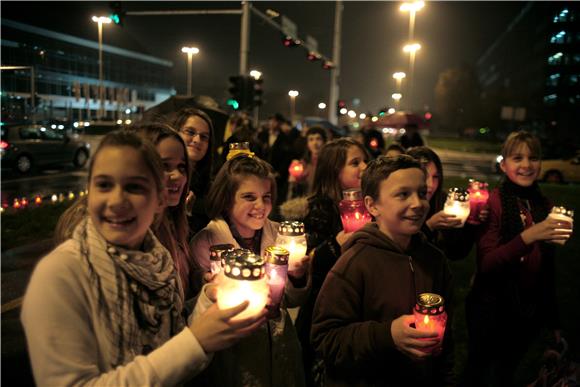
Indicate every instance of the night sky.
{"type": "Point", "coordinates": [373, 34]}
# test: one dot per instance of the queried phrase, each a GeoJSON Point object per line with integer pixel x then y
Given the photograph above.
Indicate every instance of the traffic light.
{"type": "Point", "coordinates": [246, 92]}
{"type": "Point", "coordinates": [117, 15]}
{"type": "Point", "coordinates": [288, 41]}
{"type": "Point", "coordinates": [340, 107]}
{"type": "Point", "coordinates": [236, 91]}
{"type": "Point", "coordinates": [257, 92]}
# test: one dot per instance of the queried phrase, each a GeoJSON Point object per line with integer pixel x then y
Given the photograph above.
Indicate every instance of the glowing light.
{"type": "Point", "coordinates": [190, 50]}
{"type": "Point", "coordinates": [391, 110]}
{"type": "Point", "coordinates": [322, 106]}
{"type": "Point", "coordinates": [396, 96]}
{"type": "Point", "coordinates": [362, 116]}
{"type": "Point", "coordinates": [351, 113]}
{"type": "Point", "coordinates": [255, 74]}
{"type": "Point", "coordinates": [293, 93]}
{"type": "Point", "coordinates": [54, 198]}
{"type": "Point", "coordinates": [374, 119]}
{"type": "Point", "coordinates": [101, 19]}
{"type": "Point", "coordinates": [399, 75]}
{"type": "Point", "coordinates": [38, 200]}
{"type": "Point", "coordinates": [412, 7]}
{"type": "Point", "coordinates": [412, 47]}
{"type": "Point", "coordinates": [119, 122]}
{"type": "Point", "coordinates": [343, 110]}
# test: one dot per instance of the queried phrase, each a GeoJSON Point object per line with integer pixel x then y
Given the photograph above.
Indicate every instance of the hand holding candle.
{"type": "Point", "coordinates": [457, 204]}
{"type": "Point", "coordinates": [478, 196]}
{"type": "Point", "coordinates": [291, 237]}
{"type": "Point", "coordinates": [430, 316]}
{"type": "Point", "coordinates": [565, 220]}
{"type": "Point", "coordinates": [296, 169]}
{"type": "Point", "coordinates": [276, 270]}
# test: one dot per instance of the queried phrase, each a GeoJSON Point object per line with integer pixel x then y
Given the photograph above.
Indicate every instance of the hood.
{"type": "Point", "coordinates": [370, 235]}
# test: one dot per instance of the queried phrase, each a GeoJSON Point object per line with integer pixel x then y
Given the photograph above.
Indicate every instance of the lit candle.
{"type": "Point", "coordinates": [457, 204]}
{"type": "Point", "coordinates": [430, 316]}
{"type": "Point", "coordinates": [215, 257]}
{"type": "Point", "coordinates": [244, 280]}
{"type": "Point", "coordinates": [478, 196]}
{"type": "Point", "coordinates": [237, 148]}
{"type": "Point", "coordinates": [292, 238]}
{"type": "Point", "coordinates": [561, 213]}
{"type": "Point", "coordinates": [276, 269]}
{"type": "Point", "coordinates": [353, 212]}
{"type": "Point", "coordinates": [296, 169]}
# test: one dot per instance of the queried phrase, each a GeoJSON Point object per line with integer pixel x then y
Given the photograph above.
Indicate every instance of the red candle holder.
{"type": "Point", "coordinates": [296, 169]}
{"type": "Point", "coordinates": [277, 270]}
{"type": "Point", "coordinates": [353, 212]}
{"type": "Point", "coordinates": [430, 316]}
{"type": "Point", "coordinates": [478, 196]}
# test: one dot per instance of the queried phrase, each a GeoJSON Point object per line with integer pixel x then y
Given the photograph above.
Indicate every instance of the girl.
{"type": "Point", "coordinates": [104, 308]}
{"type": "Point", "coordinates": [340, 166]}
{"type": "Point", "coordinates": [172, 228]}
{"type": "Point", "coordinates": [196, 129]}
{"type": "Point", "coordinates": [513, 293]}
{"type": "Point", "coordinates": [439, 228]}
{"type": "Point", "coordinates": [315, 139]}
{"type": "Point", "coordinates": [240, 201]}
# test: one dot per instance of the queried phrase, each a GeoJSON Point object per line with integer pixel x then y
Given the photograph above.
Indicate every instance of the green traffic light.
{"type": "Point", "coordinates": [233, 103]}
{"type": "Point", "coordinates": [115, 18]}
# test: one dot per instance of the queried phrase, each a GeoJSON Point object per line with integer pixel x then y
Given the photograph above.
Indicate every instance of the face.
{"type": "Point", "coordinates": [433, 179]}
{"type": "Point", "coordinates": [393, 153]}
{"type": "Point", "coordinates": [195, 133]}
{"type": "Point", "coordinates": [252, 205]}
{"type": "Point", "coordinates": [521, 167]}
{"type": "Point", "coordinates": [123, 198]}
{"type": "Point", "coordinates": [314, 143]}
{"type": "Point", "coordinates": [174, 164]}
{"type": "Point", "coordinates": [356, 163]}
{"type": "Point", "coordinates": [402, 205]}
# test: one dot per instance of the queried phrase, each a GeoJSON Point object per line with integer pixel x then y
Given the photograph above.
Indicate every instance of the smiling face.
{"type": "Point", "coordinates": [175, 165]}
{"type": "Point", "coordinates": [521, 166]}
{"type": "Point", "coordinates": [195, 132]}
{"type": "Point", "coordinates": [123, 198]}
{"type": "Point", "coordinates": [252, 205]}
{"type": "Point", "coordinates": [401, 206]}
{"type": "Point", "coordinates": [350, 174]}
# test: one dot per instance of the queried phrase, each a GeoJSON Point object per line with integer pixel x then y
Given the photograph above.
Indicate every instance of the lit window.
{"type": "Point", "coordinates": [555, 59]}
{"type": "Point", "coordinates": [558, 38]}
{"type": "Point", "coordinates": [562, 16]}
{"type": "Point", "coordinates": [553, 80]}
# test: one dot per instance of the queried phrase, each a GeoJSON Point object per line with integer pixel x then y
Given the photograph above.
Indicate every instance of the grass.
{"type": "Point", "coordinates": [567, 274]}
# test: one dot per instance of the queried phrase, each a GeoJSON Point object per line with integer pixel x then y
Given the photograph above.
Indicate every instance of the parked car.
{"type": "Point", "coordinates": [24, 147]}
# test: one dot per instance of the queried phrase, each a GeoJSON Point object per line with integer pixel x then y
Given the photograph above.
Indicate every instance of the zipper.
{"type": "Point", "coordinates": [414, 281]}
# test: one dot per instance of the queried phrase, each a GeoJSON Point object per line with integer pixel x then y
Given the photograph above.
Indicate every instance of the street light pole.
{"type": "Point", "coordinates": [190, 51]}
{"type": "Point", "coordinates": [411, 49]}
{"type": "Point", "coordinates": [412, 8]}
{"type": "Point", "coordinates": [293, 94]}
{"type": "Point", "coordinates": [256, 75]}
{"type": "Point", "coordinates": [100, 20]}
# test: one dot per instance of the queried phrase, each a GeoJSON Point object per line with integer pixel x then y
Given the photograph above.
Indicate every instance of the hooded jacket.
{"type": "Point", "coordinates": [373, 283]}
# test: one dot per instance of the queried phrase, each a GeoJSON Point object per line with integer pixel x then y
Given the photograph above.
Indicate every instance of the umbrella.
{"type": "Point", "coordinates": [401, 120]}
{"type": "Point", "coordinates": [167, 110]}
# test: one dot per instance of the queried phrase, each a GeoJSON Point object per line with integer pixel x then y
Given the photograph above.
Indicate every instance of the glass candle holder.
{"type": "Point", "coordinates": [562, 214]}
{"type": "Point", "coordinates": [353, 212]}
{"type": "Point", "coordinates": [215, 257]}
{"type": "Point", "coordinates": [457, 204]}
{"type": "Point", "coordinates": [296, 169]}
{"type": "Point", "coordinates": [291, 237]}
{"type": "Point", "coordinates": [430, 315]}
{"type": "Point", "coordinates": [244, 280]}
{"type": "Point", "coordinates": [237, 148]}
{"type": "Point", "coordinates": [478, 196]}
{"type": "Point", "coordinates": [276, 270]}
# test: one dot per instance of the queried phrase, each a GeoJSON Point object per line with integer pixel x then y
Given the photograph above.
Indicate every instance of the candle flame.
{"type": "Point", "coordinates": [357, 215]}
{"type": "Point", "coordinates": [426, 319]}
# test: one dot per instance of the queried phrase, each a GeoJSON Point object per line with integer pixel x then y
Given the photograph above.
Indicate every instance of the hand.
{"type": "Point", "coordinates": [441, 220]}
{"type": "Point", "coordinates": [342, 237]}
{"type": "Point", "coordinates": [409, 340]}
{"type": "Point", "coordinates": [211, 292]}
{"type": "Point", "coordinates": [189, 200]}
{"type": "Point", "coordinates": [215, 330]}
{"type": "Point", "coordinates": [549, 229]}
{"type": "Point", "coordinates": [301, 268]}
{"type": "Point", "coordinates": [209, 277]}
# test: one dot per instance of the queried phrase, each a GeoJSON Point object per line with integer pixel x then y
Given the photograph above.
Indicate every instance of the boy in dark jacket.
{"type": "Point", "coordinates": [363, 325]}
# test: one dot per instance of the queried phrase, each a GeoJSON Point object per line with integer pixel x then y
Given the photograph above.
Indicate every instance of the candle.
{"type": "Point", "coordinates": [353, 212]}
{"type": "Point", "coordinates": [237, 148]}
{"type": "Point", "coordinates": [292, 238]}
{"type": "Point", "coordinates": [215, 257]}
{"type": "Point", "coordinates": [457, 204]}
{"type": "Point", "coordinates": [478, 196]}
{"type": "Point", "coordinates": [296, 169]}
{"type": "Point", "coordinates": [561, 213]}
{"type": "Point", "coordinates": [430, 316]}
{"type": "Point", "coordinates": [244, 280]}
{"type": "Point", "coordinates": [276, 269]}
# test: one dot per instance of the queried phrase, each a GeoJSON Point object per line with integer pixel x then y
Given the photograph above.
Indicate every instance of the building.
{"type": "Point", "coordinates": [530, 76]}
{"type": "Point", "coordinates": [65, 75]}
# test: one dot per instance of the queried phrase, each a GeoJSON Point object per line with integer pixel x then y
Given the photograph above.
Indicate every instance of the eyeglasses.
{"type": "Point", "coordinates": [192, 133]}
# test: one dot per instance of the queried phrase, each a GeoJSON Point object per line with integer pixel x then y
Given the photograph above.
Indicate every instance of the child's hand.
{"type": "Point", "coordinates": [209, 277]}
{"type": "Point", "coordinates": [409, 340]}
{"type": "Point", "coordinates": [215, 330]}
{"type": "Point", "coordinates": [301, 268]}
{"type": "Point", "coordinates": [549, 229]}
{"type": "Point", "coordinates": [342, 237]}
{"type": "Point", "coordinates": [211, 292]}
{"type": "Point", "coordinates": [441, 220]}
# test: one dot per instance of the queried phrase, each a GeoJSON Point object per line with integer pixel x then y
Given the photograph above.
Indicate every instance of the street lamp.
{"type": "Point", "coordinates": [293, 94]}
{"type": "Point", "coordinates": [322, 106]}
{"type": "Point", "coordinates": [100, 20]}
{"type": "Point", "coordinates": [399, 75]}
{"type": "Point", "coordinates": [190, 51]}
{"type": "Point", "coordinates": [397, 97]}
{"type": "Point", "coordinates": [411, 48]}
{"type": "Point", "coordinates": [255, 74]}
{"type": "Point", "coordinates": [412, 8]}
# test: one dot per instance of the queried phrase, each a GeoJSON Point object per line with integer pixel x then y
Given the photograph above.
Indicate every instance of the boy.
{"type": "Point", "coordinates": [362, 317]}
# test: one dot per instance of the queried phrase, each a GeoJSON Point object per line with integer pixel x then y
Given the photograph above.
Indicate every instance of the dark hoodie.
{"type": "Point", "coordinates": [373, 283]}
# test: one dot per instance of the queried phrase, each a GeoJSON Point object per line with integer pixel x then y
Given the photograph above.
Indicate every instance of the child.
{"type": "Point", "coordinates": [340, 166]}
{"type": "Point", "coordinates": [394, 150]}
{"type": "Point", "coordinates": [315, 139]}
{"type": "Point", "coordinates": [513, 294]}
{"type": "Point", "coordinates": [240, 201]}
{"type": "Point", "coordinates": [362, 317]}
{"type": "Point", "coordinates": [104, 308]}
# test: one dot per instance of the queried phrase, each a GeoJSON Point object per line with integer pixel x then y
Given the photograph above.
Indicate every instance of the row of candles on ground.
{"type": "Point", "coordinates": [23, 202]}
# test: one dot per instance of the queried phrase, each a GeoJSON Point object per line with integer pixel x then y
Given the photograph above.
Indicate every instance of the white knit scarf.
{"type": "Point", "coordinates": [138, 293]}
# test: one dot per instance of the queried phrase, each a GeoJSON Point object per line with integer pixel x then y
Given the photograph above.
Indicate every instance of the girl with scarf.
{"type": "Point", "coordinates": [105, 307]}
{"type": "Point", "coordinates": [513, 292]}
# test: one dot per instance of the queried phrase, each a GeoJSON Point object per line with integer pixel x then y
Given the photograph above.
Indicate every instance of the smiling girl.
{"type": "Point", "coordinates": [105, 307]}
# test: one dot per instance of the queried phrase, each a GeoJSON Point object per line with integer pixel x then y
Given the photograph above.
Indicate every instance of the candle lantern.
{"type": "Point", "coordinates": [276, 269]}
{"type": "Point", "coordinates": [561, 213]}
{"type": "Point", "coordinates": [237, 148]}
{"type": "Point", "coordinates": [292, 238]}
{"type": "Point", "coordinates": [215, 257]}
{"type": "Point", "coordinates": [430, 315]}
{"type": "Point", "coordinates": [296, 169]}
{"type": "Point", "coordinates": [353, 212]}
{"type": "Point", "coordinates": [478, 196]}
{"type": "Point", "coordinates": [457, 204]}
{"type": "Point", "coordinates": [244, 280]}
